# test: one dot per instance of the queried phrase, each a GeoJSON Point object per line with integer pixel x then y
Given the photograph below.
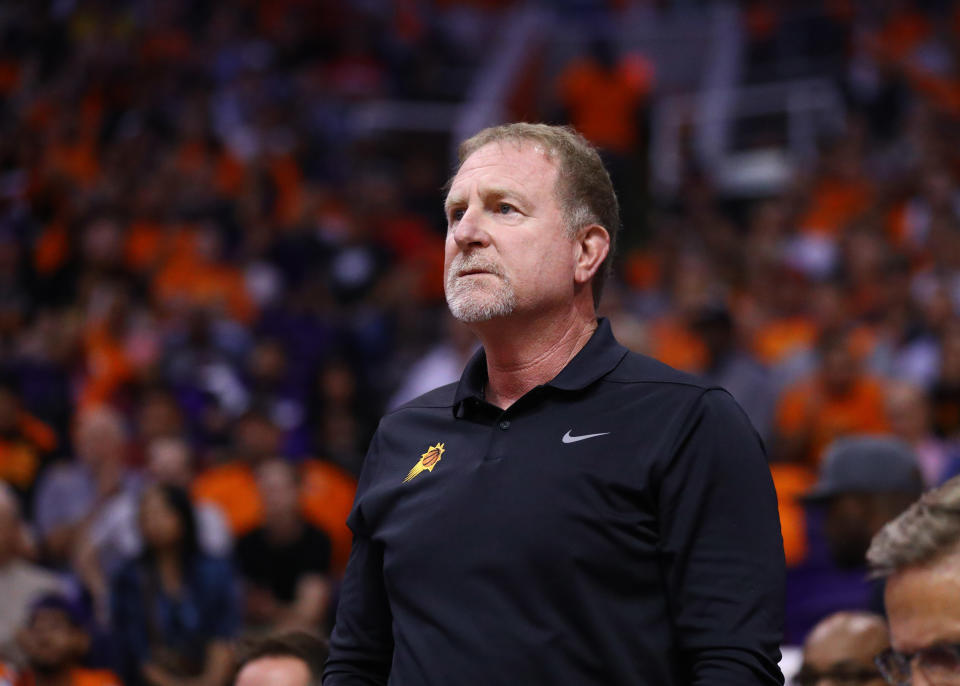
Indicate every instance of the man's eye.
{"type": "Point", "coordinates": [506, 208]}
{"type": "Point", "coordinates": [456, 215]}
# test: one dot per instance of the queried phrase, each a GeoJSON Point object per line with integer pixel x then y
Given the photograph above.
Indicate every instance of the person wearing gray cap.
{"type": "Point", "coordinates": [864, 482]}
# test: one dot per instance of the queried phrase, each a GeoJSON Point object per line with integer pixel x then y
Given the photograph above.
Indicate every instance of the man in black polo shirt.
{"type": "Point", "coordinates": [569, 512]}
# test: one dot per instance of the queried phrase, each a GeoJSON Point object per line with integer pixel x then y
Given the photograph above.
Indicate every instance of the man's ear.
{"type": "Point", "coordinates": [593, 245]}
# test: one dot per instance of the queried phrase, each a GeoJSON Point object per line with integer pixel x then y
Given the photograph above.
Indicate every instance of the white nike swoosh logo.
{"type": "Point", "coordinates": [567, 438]}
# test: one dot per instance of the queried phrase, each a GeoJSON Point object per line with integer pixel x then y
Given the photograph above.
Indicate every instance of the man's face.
{"type": "Point", "coordinates": [923, 608]}
{"type": "Point", "coordinates": [839, 368]}
{"type": "Point", "coordinates": [508, 250]}
{"type": "Point", "coordinates": [51, 641]}
{"type": "Point", "coordinates": [847, 528]}
{"type": "Point", "coordinates": [274, 671]}
{"type": "Point", "coordinates": [277, 484]}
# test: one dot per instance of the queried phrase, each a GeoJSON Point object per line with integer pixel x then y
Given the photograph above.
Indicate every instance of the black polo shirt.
{"type": "Point", "coordinates": [616, 526]}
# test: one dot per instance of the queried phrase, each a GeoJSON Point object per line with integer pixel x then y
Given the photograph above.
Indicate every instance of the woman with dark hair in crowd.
{"type": "Point", "coordinates": [174, 609]}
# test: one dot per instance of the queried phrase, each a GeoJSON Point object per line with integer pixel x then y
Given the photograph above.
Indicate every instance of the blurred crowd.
{"type": "Point", "coordinates": [212, 284]}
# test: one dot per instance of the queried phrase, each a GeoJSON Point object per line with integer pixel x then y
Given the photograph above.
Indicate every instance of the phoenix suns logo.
{"type": "Point", "coordinates": [427, 461]}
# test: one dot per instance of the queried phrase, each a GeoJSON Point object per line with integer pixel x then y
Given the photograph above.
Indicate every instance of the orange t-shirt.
{"type": "Point", "coordinates": [326, 499]}
{"type": "Point", "coordinates": [806, 408]}
{"type": "Point", "coordinates": [206, 284]}
{"type": "Point", "coordinates": [603, 104]}
{"type": "Point", "coordinates": [233, 488]}
{"type": "Point", "coordinates": [834, 204]}
{"type": "Point", "coordinates": [108, 367]}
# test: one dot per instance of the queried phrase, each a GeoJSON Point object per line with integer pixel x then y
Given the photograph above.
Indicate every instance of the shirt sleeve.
{"type": "Point", "coordinates": [722, 548]}
{"type": "Point", "coordinates": [361, 645]}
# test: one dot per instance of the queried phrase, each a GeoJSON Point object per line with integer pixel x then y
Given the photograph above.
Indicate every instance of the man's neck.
{"type": "Point", "coordinates": [522, 356]}
{"type": "Point", "coordinates": [284, 529]}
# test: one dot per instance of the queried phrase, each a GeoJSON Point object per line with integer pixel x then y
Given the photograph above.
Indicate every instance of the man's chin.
{"type": "Point", "coordinates": [476, 305]}
{"type": "Point", "coordinates": [475, 316]}
{"type": "Point", "coordinates": [474, 312]}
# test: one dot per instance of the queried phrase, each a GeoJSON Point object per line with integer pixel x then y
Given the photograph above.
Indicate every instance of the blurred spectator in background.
{"type": "Point", "coordinates": [174, 609]}
{"type": "Point", "coordinates": [863, 483]}
{"type": "Point", "coordinates": [442, 364]}
{"type": "Point", "coordinates": [170, 463]}
{"type": "Point", "coordinates": [908, 411]}
{"type": "Point", "coordinates": [841, 648]}
{"type": "Point", "coordinates": [158, 417]}
{"type": "Point", "coordinates": [838, 399]}
{"type": "Point", "coordinates": [80, 504]}
{"type": "Point", "coordinates": [21, 581]}
{"type": "Point", "coordinates": [291, 659]}
{"type": "Point", "coordinates": [732, 368]}
{"type": "Point", "coordinates": [285, 562]}
{"type": "Point", "coordinates": [604, 96]}
{"type": "Point", "coordinates": [341, 414]}
{"type": "Point", "coordinates": [919, 555]}
{"type": "Point", "coordinates": [231, 484]}
{"type": "Point", "coordinates": [272, 389]}
{"type": "Point", "coordinates": [54, 643]}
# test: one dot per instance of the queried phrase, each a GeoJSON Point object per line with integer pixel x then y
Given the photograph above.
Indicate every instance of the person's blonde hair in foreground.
{"type": "Point", "coordinates": [919, 554]}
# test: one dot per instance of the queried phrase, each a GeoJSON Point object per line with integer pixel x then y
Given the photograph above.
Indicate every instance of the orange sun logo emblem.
{"type": "Point", "coordinates": [427, 461]}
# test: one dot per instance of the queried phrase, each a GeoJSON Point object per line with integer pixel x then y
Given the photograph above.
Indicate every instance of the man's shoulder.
{"type": "Point", "coordinates": [641, 369]}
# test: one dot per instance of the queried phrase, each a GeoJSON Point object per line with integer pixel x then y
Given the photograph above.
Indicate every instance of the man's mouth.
{"type": "Point", "coordinates": [472, 272]}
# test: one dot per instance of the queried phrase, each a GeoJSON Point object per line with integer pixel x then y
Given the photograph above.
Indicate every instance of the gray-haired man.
{"type": "Point", "coordinates": [919, 553]}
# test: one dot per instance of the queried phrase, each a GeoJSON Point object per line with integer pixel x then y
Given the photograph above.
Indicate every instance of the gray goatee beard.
{"type": "Point", "coordinates": [478, 302]}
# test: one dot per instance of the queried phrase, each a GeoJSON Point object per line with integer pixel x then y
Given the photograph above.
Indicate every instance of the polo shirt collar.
{"type": "Point", "coordinates": [595, 360]}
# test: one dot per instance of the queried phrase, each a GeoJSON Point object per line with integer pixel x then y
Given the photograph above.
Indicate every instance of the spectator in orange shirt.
{"type": "Point", "coordinates": [841, 191]}
{"type": "Point", "coordinates": [836, 400]}
{"type": "Point", "coordinates": [673, 339]}
{"type": "Point", "coordinates": [55, 642]}
{"type": "Point", "coordinates": [604, 94]}
{"type": "Point", "coordinates": [204, 279]}
{"type": "Point", "coordinates": [232, 485]}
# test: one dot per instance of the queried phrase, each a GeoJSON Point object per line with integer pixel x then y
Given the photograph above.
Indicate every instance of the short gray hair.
{"type": "Point", "coordinates": [583, 186]}
{"type": "Point", "coordinates": [928, 529]}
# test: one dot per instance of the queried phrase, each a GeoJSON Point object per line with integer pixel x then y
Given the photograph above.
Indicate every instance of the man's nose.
{"type": "Point", "coordinates": [469, 231]}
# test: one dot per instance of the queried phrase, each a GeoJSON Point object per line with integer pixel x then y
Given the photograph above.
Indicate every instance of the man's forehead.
{"type": "Point", "coordinates": [917, 601]}
{"type": "Point", "coordinates": [517, 160]}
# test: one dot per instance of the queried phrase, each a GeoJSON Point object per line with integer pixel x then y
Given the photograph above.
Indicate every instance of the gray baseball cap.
{"type": "Point", "coordinates": [866, 464]}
